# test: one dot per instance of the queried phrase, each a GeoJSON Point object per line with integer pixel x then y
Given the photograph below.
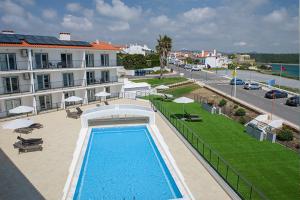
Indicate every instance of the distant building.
{"type": "Point", "coordinates": [137, 49]}
{"type": "Point", "coordinates": [243, 59]}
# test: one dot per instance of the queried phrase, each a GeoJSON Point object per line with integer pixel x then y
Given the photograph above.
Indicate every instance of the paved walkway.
{"type": "Point", "coordinates": [44, 173]}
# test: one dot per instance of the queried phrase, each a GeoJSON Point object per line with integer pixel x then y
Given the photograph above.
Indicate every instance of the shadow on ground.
{"type": "Point", "coordinates": [13, 184]}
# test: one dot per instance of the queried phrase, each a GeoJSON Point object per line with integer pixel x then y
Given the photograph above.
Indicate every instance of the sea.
{"type": "Point", "coordinates": [291, 69]}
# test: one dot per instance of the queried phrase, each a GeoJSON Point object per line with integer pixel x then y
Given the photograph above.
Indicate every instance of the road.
{"type": "Point", "coordinates": [253, 97]}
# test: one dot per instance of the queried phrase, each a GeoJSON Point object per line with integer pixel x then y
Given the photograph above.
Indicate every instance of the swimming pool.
{"type": "Point", "coordinates": [124, 163]}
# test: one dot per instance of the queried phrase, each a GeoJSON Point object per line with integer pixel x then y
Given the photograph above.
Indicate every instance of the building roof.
{"type": "Point", "coordinates": [33, 41]}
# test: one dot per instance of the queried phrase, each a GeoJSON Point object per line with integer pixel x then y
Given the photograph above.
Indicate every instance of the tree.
{"type": "Point", "coordinates": [163, 47]}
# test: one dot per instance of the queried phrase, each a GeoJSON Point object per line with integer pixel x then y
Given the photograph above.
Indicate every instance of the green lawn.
{"type": "Point", "coordinates": [271, 168]}
{"type": "Point", "coordinates": [164, 81]}
{"type": "Point", "coordinates": [181, 91]}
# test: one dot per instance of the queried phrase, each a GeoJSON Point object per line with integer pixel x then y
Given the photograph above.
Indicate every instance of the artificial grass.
{"type": "Point", "coordinates": [164, 81]}
{"type": "Point", "coordinates": [271, 168]}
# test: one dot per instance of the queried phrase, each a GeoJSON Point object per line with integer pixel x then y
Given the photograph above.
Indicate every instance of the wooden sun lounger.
{"type": "Point", "coordinates": [36, 125]}
{"type": "Point", "coordinates": [30, 141]}
{"type": "Point", "coordinates": [106, 103]}
{"type": "Point", "coordinates": [79, 111]}
{"type": "Point", "coordinates": [192, 117]}
{"type": "Point", "coordinates": [27, 148]}
{"type": "Point", "coordinates": [73, 115]}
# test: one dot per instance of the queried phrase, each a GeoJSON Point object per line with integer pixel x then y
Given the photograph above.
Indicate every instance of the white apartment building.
{"type": "Point", "coordinates": [137, 49]}
{"type": "Point", "coordinates": [41, 71]}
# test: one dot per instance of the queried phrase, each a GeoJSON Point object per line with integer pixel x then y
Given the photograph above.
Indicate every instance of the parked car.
{"type": "Point", "coordinates": [252, 86]}
{"type": "Point", "coordinates": [275, 94]}
{"type": "Point", "coordinates": [293, 101]}
{"type": "Point", "coordinates": [238, 82]}
{"type": "Point", "coordinates": [188, 66]}
{"type": "Point", "coordinates": [196, 68]}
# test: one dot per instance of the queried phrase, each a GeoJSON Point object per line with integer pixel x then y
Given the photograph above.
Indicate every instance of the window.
{"type": "Point", "coordinates": [104, 60]}
{"type": "Point", "coordinates": [105, 76]}
{"type": "Point", "coordinates": [45, 102]}
{"type": "Point", "coordinates": [8, 61]}
{"type": "Point", "coordinates": [12, 103]}
{"type": "Point", "coordinates": [66, 60]}
{"type": "Point", "coordinates": [41, 60]}
{"type": "Point", "coordinates": [90, 78]}
{"type": "Point", "coordinates": [91, 95]}
{"type": "Point", "coordinates": [89, 60]}
{"type": "Point", "coordinates": [107, 89]}
{"type": "Point", "coordinates": [43, 82]}
{"type": "Point", "coordinates": [68, 79]}
{"type": "Point", "coordinates": [11, 84]}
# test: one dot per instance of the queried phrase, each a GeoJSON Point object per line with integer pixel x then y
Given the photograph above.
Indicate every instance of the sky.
{"type": "Point", "coordinates": [270, 26]}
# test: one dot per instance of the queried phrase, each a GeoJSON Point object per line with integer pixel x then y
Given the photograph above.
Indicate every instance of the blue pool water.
{"type": "Point", "coordinates": [123, 163]}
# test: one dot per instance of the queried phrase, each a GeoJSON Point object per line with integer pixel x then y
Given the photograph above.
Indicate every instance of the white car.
{"type": "Point", "coordinates": [196, 68]}
{"type": "Point", "coordinates": [188, 66]}
{"type": "Point", "coordinates": [252, 86]}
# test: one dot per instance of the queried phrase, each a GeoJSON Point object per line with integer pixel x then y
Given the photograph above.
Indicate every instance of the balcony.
{"type": "Point", "coordinates": [60, 85]}
{"type": "Point", "coordinates": [113, 79]}
{"type": "Point", "coordinates": [58, 64]}
{"type": "Point", "coordinates": [14, 66]}
{"type": "Point", "coordinates": [25, 88]}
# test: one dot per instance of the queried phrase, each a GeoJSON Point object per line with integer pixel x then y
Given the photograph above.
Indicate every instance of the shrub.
{"type": "Point", "coordinates": [222, 103]}
{"type": "Point", "coordinates": [242, 120]}
{"type": "Point", "coordinates": [285, 135]}
{"type": "Point", "coordinates": [235, 106]}
{"type": "Point", "coordinates": [240, 112]}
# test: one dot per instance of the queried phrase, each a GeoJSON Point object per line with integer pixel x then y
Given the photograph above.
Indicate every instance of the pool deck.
{"type": "Point", "coordinates": [42, 175]}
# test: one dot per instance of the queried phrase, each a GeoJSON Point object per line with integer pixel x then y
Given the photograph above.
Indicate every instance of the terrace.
{"type": "Point", "coordinates": [35, 172]}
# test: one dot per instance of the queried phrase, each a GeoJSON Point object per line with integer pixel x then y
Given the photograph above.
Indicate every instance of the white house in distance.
{"type": "Point", "coordinates": [137, 49]}
{"type": "Point", "coordinates": [212, 59]}
{"type": "Point", "coordinates": [41, 71]}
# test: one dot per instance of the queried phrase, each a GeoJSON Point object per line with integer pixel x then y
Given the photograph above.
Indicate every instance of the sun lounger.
{"type": "Point", "coordinates": [73, 115]}
{"type": "Point", "coordinates": [106, 103]}
{"type": "Point", "coordinates": [36, 125]}
{"type": "Point", "coordinates": [192, 117]}
{"type": "Point", "coordinates": [30, 141]}
{"type": "Point", "coordinates": [79, 111]}
{"type": "Point", "coordinates": [27, 148]}
{"type": "Point", "coordinates": [24, 130]}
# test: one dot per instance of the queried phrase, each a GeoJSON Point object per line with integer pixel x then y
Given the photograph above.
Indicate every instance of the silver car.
{"type": "Point", "coordinates": [252, 86]}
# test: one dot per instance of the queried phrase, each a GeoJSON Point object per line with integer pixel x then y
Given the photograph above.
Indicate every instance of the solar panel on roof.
{"type": "Point", "coordinates": [7, 38]}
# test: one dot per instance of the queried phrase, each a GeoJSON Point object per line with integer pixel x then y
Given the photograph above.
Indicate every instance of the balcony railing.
{"type": "Point", "coordinates": [58, 64]}
{"type": "Point", "coordinates": [18, 65]}
{"type": "Point", "coordinates": [113, 79]}
{"type": "Point", "coordinates": [60, 85]}
{"type": "Point", "coordinates": [20, 89]}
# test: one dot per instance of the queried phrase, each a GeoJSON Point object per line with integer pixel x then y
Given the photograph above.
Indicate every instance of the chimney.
{"type": "Point", "coordinates": [65, 36]}
{"type": "Point", "coordinates": [202, 53]}
{"type": "Point", "coordinates": [215, 52]}
{"type": "Point", "coordinates": [8, 32]}
{"type": "Point", "coordinates": [97, 41]}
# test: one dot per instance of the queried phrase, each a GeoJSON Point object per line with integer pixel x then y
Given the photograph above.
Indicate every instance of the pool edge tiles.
{"type": "Point", "coordinates": [162, 160]}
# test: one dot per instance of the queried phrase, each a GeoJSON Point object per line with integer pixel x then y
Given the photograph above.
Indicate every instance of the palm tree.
{"type": "Point", "coordinates": [163, 47]}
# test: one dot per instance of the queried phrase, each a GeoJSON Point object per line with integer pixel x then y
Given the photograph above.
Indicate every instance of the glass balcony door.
{"type": "Point", "coordinates": [67, 95]}
{"type": "Point", "coordinates": [11, 84]}
{"type": "Point", "coordinates": [104, 60]}
{"type": "Point", "coordinates": [8, 61]}
{"type": "Point", "coordinates": [91, 95]}
{"type": "Point", "coordinates": [66, 60]}
{"type": "Point", "coordinates": [41, 60]}
{"type": "Point", "coordinates": [90, 77]}
{"type": "Point", "coordinates": [105, 76]}
{"type": "Point", "coordinates": [45, 102]}
{"type": "Point", "coordinates": [12, 103]}
{"type": "Point", "coordinates": [68, 79]}
{"type": "Point", "coordinates": [43, 81]}
{"type": "Point", "coordinates": [89, 60]}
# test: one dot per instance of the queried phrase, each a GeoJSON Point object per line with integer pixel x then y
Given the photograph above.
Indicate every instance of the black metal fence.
{"type": "Point", "coordinates": [239, 184]}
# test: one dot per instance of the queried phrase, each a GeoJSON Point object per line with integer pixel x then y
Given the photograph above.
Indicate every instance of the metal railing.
{"type": "Point", "coordinates": [102, 81]}
{"type": "Point", "coordinates": [60, 85]}
{"type": "Point", "coordinates": [57, 64]}
{"type": "Point", "coordinates": [239, 184]}
{"type": "Point", "coordinates": [18, 90]}
{"type": "Point", "coordinates": [17, 65]}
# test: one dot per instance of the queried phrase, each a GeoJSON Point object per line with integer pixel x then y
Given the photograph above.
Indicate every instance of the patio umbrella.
{"type": "Point", "coordinates": [73, 99]}
{"type": "Point", "coordinates": [102, 94]}
{"type": "Point", "coordinates": [183, 100]}
{"type": "Point", "coordinates": [21, 109]}
{"type": "Point", "coordinates": [162, 87]}
{"type": "Point", "coordinates": [18, 123]}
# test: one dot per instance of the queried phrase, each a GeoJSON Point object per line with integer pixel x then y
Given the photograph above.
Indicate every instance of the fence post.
{"type": "Point", "coordinates": [237, 183]}
{"type": "Point", "coordinates": [218, 163]}
{"type": "Point", "coordinates": [203, 149]}
{"type": "Point", "coordinates": [226, 172]}
{"type": "Point", "coordinates": [250, 192]}
{"type": "Point", "coordinates": [209, 154]}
